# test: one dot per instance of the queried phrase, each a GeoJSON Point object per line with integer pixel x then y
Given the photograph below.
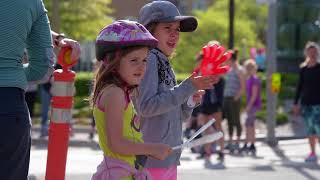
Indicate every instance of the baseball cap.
{"type": "Point", "coordinates": [165, 11]}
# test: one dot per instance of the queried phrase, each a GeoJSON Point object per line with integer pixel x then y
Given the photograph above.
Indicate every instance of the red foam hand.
{"type": "Point", "coordinates": [213, 57]}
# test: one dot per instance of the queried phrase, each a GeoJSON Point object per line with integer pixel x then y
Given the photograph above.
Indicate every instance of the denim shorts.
{"type": "Point", "coordinates": [311, 116]}
{"type": "Point", "coordinates": [251, 117]}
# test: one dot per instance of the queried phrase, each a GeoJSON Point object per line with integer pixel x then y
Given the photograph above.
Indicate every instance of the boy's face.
{"type": "Point", "coordinates": [133, 66]}
{"type": "Point", "coordinates": [168, 36]}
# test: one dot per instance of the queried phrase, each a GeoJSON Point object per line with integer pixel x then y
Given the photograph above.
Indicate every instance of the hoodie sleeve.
{"type": "Point", "coordinates": [150, 101]}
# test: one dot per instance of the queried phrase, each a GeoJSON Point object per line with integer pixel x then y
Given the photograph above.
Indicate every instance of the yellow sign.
{"type": "Point", "coordinates": [275, 82]}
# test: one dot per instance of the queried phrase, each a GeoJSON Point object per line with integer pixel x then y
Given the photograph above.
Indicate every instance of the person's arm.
{"type": "Point", "coordinates": [114, 105]}
{"type": "Point", "coordinates": [39, 46]}
{"type": "Point", "coordinates": [254, 95]}
{"type": "Point", "coordinates": [295, 108]}
{"type": "Point", "coordinates": [299, 87]}
{"type": "Point", "coordinates": [242, 84]}
{"type": "Point", "coordinates": [150, 102]}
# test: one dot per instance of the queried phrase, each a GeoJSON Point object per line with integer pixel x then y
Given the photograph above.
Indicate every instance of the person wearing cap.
{"type": "Point", "coordinates": [162, 105]}
{"type": "Point", "coordinates": [122, 47]}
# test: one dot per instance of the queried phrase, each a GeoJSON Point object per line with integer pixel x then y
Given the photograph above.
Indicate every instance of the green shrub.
{"type": "Point", "coordinates": [83, 83]}
{"type": "Point", "coordinates": [281, 118]}
{"type": "Point", "coordinates": [81, 102]}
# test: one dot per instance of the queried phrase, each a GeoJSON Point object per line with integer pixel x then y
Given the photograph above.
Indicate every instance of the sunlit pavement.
{"type": "Point", "coordinates": [284, 162]}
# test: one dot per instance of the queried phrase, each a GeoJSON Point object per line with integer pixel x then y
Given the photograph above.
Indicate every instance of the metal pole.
{"type": "Point", "coordinates": [271, 68]}
{"type": "Point", "coordinates": [231, 24]}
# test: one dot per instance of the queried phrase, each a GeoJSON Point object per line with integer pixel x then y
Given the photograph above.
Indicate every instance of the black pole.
{"type": "Point", "coordinates": [231, 23]}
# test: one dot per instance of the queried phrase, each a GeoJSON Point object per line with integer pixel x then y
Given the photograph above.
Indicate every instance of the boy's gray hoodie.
{"type": "Point", "coordinates": [162, 106]}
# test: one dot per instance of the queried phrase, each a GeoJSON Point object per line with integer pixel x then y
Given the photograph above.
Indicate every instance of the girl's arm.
{"type": "Point", "coordinates": [114, 105]}
{"type": "Point", "coordinates": [255, 89]}
{"type": "Point", "coordinates": [151, 102]}
{"type": "Point", "coordinates": [299, 87]}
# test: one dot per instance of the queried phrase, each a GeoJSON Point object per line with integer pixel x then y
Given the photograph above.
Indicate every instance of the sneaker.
{"type": "Point", "coordinates": [311, 158]}
{"type": "Point", "coordinates": [252, 149]}
{"type": "Point", "coordinates": [244, 148]}
{"type": "Point", "coordinates": [235, 148]}
{"type": "Point", "coordinates": [228, 146]}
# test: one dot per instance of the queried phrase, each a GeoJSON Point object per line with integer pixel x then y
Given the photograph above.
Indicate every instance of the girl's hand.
{"type": "Point", "coordinates": [204, 82]}
{"type": "Point", "coordinates": [295, 110]}
{"type": "Point", "coordinates": [160, 151]}
{"type": "Point", "coordinates": [197, 97]}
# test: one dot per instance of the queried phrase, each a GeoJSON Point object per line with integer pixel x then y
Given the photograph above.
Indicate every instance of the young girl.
{"type": "Point", "coordinates": [162, 104]}
{"type": "Point", "coordinates": [122, 47]}
{"type": "Point", "coordinates": [253, 89]}
{"type": "Point", "coordinates": [308, 89]}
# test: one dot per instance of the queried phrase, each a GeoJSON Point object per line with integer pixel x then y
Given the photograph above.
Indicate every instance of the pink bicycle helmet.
{"type": "Point", "coordinates": [121, 34]}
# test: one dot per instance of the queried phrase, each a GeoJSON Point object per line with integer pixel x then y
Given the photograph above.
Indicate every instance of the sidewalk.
{"type": "Point", "coordinates": [293, 130]}
{"type": "Point", "coordinates": [286, 161]}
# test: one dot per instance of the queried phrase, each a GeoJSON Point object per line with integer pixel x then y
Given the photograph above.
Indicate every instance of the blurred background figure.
{"type": "Point", "coordinates": [234, 88]}
{"type": "Point", "coordinates": [308, 93]}
{"type": "Point", "coordinates": [253, 104]}
{"type": "Point", "coordinates": [261, 60]}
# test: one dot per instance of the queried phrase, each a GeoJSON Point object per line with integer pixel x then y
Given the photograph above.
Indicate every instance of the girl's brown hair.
{"type": "Point", "coordinates": [107, 75]}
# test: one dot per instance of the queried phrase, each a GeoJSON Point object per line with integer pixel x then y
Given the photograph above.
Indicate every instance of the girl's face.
{"type": "Point", "coordinates": [250, 69]}
{"type": "Point", "coordinates": [168, 36]}
{"type": "Point", "coordinates": [133, 66]}
{"type": "Point", "coordinates": [312, 53]}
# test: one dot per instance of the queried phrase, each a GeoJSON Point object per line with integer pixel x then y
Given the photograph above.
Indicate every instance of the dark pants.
{"type": "Point", "coordinates": [15, 139]}
{"type": "Point", "coordinates": [231, 109]}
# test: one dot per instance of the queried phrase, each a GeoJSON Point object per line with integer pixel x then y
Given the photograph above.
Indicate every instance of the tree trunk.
{"type": "Point", "coordinates": [231, 23]}
{"type": "Point", "coordinates": [55, 21]}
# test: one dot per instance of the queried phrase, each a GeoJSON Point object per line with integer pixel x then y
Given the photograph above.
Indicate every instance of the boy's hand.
{"type": "Point", "coordinates": [160, 151]}
{"type": "Point", "coordinates": [197, 97]}
{"type": "Point", "coordinates": [204, 82]}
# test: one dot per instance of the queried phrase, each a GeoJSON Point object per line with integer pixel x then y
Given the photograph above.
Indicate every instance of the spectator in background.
{"type": "Point", "coordinates": [261, 60]}
{"type": "Point", "coordinates": [211, 107]}
{"type": "Point", "coordinates": [253, 89]}
{"type": "Point", "coordinates": [234, 88]}
{"type": "Point", "coordinates": [59, 41]}
{"type": "Point", "coordinates": [308, 89]}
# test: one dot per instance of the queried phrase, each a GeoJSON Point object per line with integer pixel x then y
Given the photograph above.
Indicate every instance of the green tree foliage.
{"type": "Point", "coordinates": [82, 19]}
{"type": "Point", "coordinates": [250, 24]}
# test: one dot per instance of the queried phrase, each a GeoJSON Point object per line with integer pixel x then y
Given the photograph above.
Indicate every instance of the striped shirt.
{"type": "Point", "coordinates": [24, 24]}
{"type": "Point", "coordinates": [232, 82]}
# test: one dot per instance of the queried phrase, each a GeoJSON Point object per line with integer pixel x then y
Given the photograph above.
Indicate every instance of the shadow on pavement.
{"type": "Point", "coordinates": [297, 166]}
{"type": "Point", "coordinates": [208, 164]}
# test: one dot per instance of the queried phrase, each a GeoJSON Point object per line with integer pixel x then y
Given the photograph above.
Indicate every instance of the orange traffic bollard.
{"type": "Point", "coordinates": [62, 91]}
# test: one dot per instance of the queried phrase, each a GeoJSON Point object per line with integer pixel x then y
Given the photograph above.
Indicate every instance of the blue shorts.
{"type": "Point", "coordinates": [311, 116]}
